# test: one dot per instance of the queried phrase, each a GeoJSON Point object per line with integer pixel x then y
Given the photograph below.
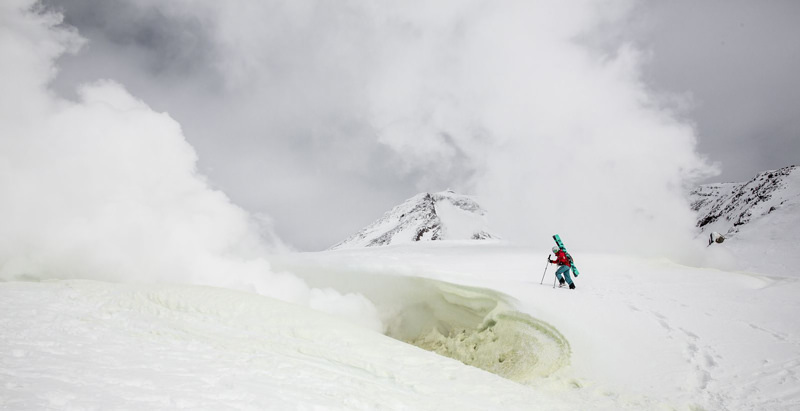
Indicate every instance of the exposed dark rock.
{"type": "Point", "coordinates": [729, 206]}
{"type": "Point", "coordinates": [418, 219]}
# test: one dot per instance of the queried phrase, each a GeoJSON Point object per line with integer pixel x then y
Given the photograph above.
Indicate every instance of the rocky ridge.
{"type": "Point", "coordinates": [425, 217]}
{"type": "Point", "coordinates": [726, 207]}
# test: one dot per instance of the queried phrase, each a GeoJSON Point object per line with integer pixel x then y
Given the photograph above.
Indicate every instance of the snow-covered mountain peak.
{"type": "Point", "coordinates": [727, 207]}
{"type": "Point", "coordinates": [425, 217]}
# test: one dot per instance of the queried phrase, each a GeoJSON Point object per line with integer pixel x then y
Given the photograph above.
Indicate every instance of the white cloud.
{"type": "Point", "coordinates": [504, 100]}
{"type": "Point", "coordinates": [561, 140]}
{"type": "Point", "coordinates": [106, 188]}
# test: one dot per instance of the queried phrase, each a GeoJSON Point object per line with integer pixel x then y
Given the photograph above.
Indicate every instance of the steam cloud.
{"type": "Point", "coordinates": [504, 100]}
{"type": "Point", "coordinates": [105, 188]}
{"type": "Point", "coordinates": [561, 139]}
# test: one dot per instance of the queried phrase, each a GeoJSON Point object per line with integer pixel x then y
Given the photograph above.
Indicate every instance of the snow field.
{"type": "Point", "coordinates": [80, 345]}
{"type": "Point", "coordinates": [647, 333]}
{"type": "Point", "coordinates": [460, 224]}
{"type": "Point", "coordinates": [636, 334]}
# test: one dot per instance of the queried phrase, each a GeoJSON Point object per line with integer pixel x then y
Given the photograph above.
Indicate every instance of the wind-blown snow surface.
{"type": "Point", "coordinates": [637, 334]}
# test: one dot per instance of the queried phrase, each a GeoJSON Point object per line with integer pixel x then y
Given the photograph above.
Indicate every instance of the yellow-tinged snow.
{"type": "Point", "coordinates": [635, 334]}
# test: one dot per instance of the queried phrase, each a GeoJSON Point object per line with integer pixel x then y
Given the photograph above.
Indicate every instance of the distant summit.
{"type": "Point", "coordinates": [425, 217]}
{"type": "Point", "coordinates": [729, 207]}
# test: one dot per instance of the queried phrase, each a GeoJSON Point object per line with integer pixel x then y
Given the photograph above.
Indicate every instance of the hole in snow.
{"type": "Point", "coordinates": [478, 328]}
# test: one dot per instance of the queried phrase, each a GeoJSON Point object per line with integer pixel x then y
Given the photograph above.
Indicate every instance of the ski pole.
{"type": "Point", "coordinates": [545, 269]}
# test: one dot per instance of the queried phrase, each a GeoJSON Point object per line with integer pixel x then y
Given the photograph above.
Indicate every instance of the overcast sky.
{"type": "Point", "coordinates": [321, 116]}
{"type": "Point", "coordinates": [735, 62]}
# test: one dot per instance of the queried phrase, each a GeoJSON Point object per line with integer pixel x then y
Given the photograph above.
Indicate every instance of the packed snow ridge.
{"type": "Point", "coordinates": [425, 217]}
{"type": "Point", "coordinates": [726, 207]}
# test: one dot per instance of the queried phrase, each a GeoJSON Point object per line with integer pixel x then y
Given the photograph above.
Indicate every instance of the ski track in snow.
{"type": "Point", "coordinates": [705, 379]}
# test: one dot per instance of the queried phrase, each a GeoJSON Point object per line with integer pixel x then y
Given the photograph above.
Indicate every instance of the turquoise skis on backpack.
{"type": "Point", "coordinates": [560, 245]}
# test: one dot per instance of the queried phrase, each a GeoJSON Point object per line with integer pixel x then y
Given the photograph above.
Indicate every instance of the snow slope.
{"type": "Point", "coordinates": [759, 218]}
{"type": "Point", "coordinates": [73, 345]}
{"type": "Point", "coordinates": [643, 333]}
{"type": "Point", "coordinates": [636, 334]}
{"type": "Point", "coordinates": [425, 217]}
{"type": "Point", "coordinates": [727, 207]}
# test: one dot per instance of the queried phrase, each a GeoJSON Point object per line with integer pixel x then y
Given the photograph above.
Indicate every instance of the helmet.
{"type": "Point", "coordinates": [556, 249]}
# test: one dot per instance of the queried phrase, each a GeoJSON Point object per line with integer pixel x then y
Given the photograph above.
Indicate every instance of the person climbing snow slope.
{"type": "Point", "coordinates": [563, 267]}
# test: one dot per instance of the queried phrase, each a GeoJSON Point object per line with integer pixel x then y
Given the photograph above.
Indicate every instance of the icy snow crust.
{"type": "Point", "coordinates": [93, 345]}
{"type": "Point", "coordinates": [637, 334]}
{"type": "Point", "coordinates": [476, 326]}
{"type": "Point", "coordinates": [642, 333]}
{"type": "Point", "coordinates": [501, 340]}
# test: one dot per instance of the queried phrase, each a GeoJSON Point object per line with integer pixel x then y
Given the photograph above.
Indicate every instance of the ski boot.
{"type": "Point", "coordinates": [561, 282]}
{"type": "Point", "coordinates": [572, 286]}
